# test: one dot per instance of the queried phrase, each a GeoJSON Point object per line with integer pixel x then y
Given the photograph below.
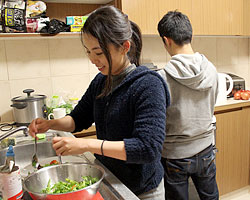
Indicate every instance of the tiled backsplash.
{"type": "Point", "coordinates": [60, 66]}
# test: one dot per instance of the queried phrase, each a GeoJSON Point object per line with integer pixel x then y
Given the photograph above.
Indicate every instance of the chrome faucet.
{"type": "Point", "coordinates": [11, 132]}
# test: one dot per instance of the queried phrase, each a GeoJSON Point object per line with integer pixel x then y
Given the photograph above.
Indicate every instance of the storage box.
{"type": "Point", "coordinates": [75, 28]}
{"type": "Point", "coordinates": [76, 20]}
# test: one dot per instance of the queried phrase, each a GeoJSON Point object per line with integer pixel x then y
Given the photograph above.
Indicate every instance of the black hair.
{"type": "Point", "coordinates": [110, 26]}
{"type": "Point", "coordinates": [176, 26]}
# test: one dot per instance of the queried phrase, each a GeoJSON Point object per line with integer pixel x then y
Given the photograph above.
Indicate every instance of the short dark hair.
{"type": "Point", "coordinates": [176, 26]}
{"type": "Point", "coordinates": [110, 26]}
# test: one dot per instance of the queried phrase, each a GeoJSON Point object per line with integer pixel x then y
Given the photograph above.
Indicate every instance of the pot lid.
{"type": "Point", "coordinates": [29, 97]}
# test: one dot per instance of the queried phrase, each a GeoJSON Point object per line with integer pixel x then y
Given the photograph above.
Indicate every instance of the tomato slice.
{"type": "Point", "coordinates": [54, 162]}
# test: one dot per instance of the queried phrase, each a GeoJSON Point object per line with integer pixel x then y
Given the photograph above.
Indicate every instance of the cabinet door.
{"type": "Point", "coordinates": [144, 13]}
{"type": "Point", "coordinates": [232, 141]}
{"type": "Point", "coordinates": [213, 17]}
{"type": "Point", "coordinates": [246, 17]}
{"type": "Point", "coordinates": [184, 6]}
{"type": "Point", "coordinates": [224, 17]}
{"type": "Point", "coordinates": [210, 17]}
{"type": "Point", "coordinates": [147, 13]}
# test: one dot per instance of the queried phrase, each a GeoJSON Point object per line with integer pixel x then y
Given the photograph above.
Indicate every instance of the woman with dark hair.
{"type": "Point", "coordinates": [126, 101]}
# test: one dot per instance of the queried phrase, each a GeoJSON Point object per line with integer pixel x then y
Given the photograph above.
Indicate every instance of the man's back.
{"type": "Point", "coordinates": [193, 83]}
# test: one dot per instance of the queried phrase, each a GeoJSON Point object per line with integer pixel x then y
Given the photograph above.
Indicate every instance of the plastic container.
{"type": "Point", "coordinates": [10, 178]}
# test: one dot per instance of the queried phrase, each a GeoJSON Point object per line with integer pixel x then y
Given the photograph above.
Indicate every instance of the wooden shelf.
{"type": "Point", "coordinates": [13, 36]}
{"type": "Point", "coordinates": [59, 9]}
{"type": "Point", "coordinates": [79, 1]}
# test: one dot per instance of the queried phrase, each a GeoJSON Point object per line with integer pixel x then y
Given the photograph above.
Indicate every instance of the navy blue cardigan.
{"type": "Point", "coordinates": [135, 113]}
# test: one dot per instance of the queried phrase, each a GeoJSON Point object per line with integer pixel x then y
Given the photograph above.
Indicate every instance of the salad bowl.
{"type": "Point", "coordinates": [38, 182]}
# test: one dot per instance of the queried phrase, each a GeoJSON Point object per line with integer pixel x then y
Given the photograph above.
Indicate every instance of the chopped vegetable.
{"type": "Point", "coordinates": [54, 162]}
{"type": "Point", "coordinates": [69, 185]}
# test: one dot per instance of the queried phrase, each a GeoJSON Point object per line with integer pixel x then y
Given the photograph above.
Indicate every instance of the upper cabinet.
{"type": "Point", "coordinates": [213, 17]}
{"type": "Point", "coordinates": [79, 1]}
{"type": "Point", "coordinates": [246, 17]}
{"type": "Point", "coordinates": [145, 13]}
{"type": "Point", "coordinates": [59, 9]}
{"type": "Point", "coordinates": [208, 17]}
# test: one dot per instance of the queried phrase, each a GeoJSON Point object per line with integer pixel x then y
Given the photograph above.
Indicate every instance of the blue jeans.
{"type": "Point", "coordinates": [201, 168]}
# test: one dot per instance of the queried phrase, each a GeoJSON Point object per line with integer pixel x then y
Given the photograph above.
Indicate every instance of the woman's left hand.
{"type": "Point", "coordinates": [69, 146]}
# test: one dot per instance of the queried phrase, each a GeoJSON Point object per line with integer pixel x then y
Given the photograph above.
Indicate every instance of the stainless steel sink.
{"type": "Point", "coordinates": [111, 188]}
{"type": "Point", "coordinates": [23, 153]}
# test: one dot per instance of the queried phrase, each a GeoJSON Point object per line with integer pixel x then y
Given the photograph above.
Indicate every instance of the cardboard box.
{"type": "Point", "coordinates": [76, 20]}
{"type": "Point", "coordinates": [75, 28]}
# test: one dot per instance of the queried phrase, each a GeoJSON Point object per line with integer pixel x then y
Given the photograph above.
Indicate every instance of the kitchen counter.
{"type": "Point", "coordinates": [90, 132]}
{"type": "Point", "coordinates": [231, 104]}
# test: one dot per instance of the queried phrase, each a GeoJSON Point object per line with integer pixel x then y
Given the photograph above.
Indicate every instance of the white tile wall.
{"type": "Point", "coordinates": [41, 85]}
{"type": "Point", "coordinates": [5, 102]}
{"type": "Point", "coordinates": [3, 63]}
{"type": "Point", "coordinates": [243, 53]}
{"type": "Point", "coordinates": [227, 51]}
{"type": "Point", "coordinates": [206, 46]}
{"type": "Point", "coordinates": [153, 51]}
{"type": "Point", "coordinates": [60, 66]}
{"type": "Point", "coordinates": [27, 58]}
{"type": "Point", "coordinates": [67, 57]}
{"type": "Point", "coordinates": [70, 86]}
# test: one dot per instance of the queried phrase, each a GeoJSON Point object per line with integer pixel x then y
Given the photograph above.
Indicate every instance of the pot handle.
{"type": "Point", "coordinates": [19, 106]}
{"type": "Point", "coordinates": [45, 111]}
{"type": "Point", "coordinates": [28, 91]}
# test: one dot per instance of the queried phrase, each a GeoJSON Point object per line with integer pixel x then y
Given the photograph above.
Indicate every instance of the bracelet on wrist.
{"type": "Point", "coordinates": [102, 147]}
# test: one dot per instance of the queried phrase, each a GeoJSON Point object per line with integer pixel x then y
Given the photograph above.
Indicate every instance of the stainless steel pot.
{"type": "Point", "coordinates": [27, 108]}
{"type": "Point", "coordinates": [37, 181]}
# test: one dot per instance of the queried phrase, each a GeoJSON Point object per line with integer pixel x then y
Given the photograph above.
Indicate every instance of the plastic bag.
{"type": "Point", "coordinates": [58, 102]}
{"type": "Point", "coordinates": [14, 20]}
{"type": "Point", "coordinates": [55, 26]}
{"type": "Point", "coordinates": [35, 8]}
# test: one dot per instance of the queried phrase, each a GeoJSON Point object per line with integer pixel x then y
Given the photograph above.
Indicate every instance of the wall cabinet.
{"type": "Point", "coordinates": [59, 9]}
{"type": "Point", "coordinates": [83, 7]}
{"type": "Point", "coordinates": [246, 17]}
{"type": "Point", "coordinates": [224, 17]}
{"type": "Point", "coordinates": [233, 142]}
{"type": "Point", "coordinates": [144, 13]}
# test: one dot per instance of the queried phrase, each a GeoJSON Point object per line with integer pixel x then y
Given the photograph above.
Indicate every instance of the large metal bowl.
{"type": "Point", "coordinates": [37, 181]}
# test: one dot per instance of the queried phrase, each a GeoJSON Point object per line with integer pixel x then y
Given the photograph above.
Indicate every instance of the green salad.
{"type": "Point", "coordinates": [69, 185]}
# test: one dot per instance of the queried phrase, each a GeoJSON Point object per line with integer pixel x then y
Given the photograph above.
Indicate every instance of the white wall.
{"type": "Point", "coordinates": [60, 66]}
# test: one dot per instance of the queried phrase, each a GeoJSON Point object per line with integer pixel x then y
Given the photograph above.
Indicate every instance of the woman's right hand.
{"type": "Point", "coordinates": [38, 126]}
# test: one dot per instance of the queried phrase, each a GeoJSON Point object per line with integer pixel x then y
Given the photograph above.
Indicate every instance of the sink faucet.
{"type": "Point", "coordinates": [11, 132]}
